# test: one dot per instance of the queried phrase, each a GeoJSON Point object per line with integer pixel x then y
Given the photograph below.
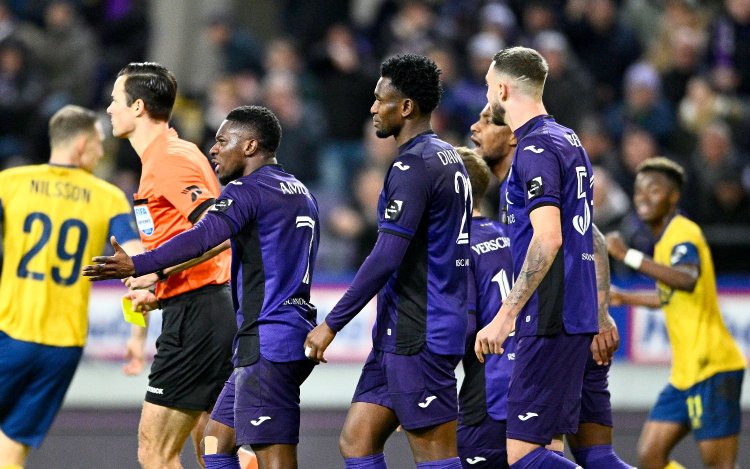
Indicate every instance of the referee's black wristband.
{"type": "Point", "coordinates": [160, 273]}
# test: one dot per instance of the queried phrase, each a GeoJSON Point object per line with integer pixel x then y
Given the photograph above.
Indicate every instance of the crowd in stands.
{"type": "Point", "coordinates": [634, 78]}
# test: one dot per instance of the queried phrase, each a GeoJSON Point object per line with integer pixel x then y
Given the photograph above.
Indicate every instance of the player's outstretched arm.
{"type": "Point", "coordinates": [682, 277]}
{"type": "Point", "coordinates": [543, 247]}
{"type": "Point", "coordinates": [118, 265]}
{"type": "Point", "coordinates": [606, 342]}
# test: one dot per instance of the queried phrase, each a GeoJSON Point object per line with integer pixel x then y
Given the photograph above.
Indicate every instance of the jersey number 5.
{"type": "Point", "coordinates": [62, 244]}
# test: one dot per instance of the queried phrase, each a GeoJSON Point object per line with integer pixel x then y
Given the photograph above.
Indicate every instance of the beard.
{"type": "Point", "coordinates": [385, 132]}
{"type": "Point", "coordinates": [498, 113]}
{"type": "Point", "coordinates": [230, 176]}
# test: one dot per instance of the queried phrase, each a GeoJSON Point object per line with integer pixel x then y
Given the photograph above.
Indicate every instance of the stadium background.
{"type": "Point", "coordinates": [634, 78]}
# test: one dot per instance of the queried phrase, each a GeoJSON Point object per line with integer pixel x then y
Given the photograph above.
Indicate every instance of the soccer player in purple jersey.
{"type": "Point", "coordinates": [272, 221]}
{"type": "Point", "coordinates": [482, 399]}
{"type": "Point", "coordinates": [419, 269]}
{"type": "Point", "coordinates": [548, 201]}
{"type": "Point", "coordinates": [592, 443]}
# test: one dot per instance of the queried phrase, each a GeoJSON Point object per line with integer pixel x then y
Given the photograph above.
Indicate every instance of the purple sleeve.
{"type": "Point", "coordinates": [384, 259]}
{"type": "Point", "coordinates": [538, 168]}
{"type": "Point", "coordinates": [209, 232]}
{"type": "Point", "coordinates": [407, 194]}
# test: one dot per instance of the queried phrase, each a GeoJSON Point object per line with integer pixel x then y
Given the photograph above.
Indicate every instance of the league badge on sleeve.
{"type": "Point", "coordinates": [393, 209]}
{"type": "Point", "coordinates": [534, 188]}
{"type": "Point", "coordinates": [221, 206]}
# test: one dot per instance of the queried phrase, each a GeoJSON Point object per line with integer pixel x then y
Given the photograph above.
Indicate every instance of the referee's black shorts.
{"type": "Point", "coordinates": [194, 351]}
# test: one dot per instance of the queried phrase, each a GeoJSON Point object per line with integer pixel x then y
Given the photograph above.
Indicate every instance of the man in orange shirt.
{"type": "Point", "coordinates": [193, 356]}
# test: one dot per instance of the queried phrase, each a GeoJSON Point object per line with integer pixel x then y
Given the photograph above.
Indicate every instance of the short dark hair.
{"type": "Point", "coordinates": [672, 170]}
{"type": "Point", "coordinates": [416, 77]}
{"type": "Point", "coordinates": [262, 122]}
{"type": "Point", "coordinates": [478, 171]}
{"type": "Point", "coordinates": [154, 84]}
{"type": "Point", "coordinates": [69, 122]}
{"type": "Point", "coordinates": [522, 64]}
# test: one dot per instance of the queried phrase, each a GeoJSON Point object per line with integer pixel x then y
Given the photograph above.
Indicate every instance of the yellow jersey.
{"type": "Point", "coordinates": [701, 344]}
{"type": "Point", "coordinates": [54, 219]}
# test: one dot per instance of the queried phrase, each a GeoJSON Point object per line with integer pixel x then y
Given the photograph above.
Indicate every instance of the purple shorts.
{"type": "Point", "coordinates": [544, 398]}
{"type": "Point", "coordinates": [483, 445]}
{"type": "Point", "coordinates": [595, 403]}
{"type": "Point", "coordinates": [264, 399]}
{"type": "Point", "coordinates": [420, 389]}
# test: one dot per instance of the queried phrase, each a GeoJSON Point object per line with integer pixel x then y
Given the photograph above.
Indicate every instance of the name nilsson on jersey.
{"type": "Point", "coordinates": [501, 242]}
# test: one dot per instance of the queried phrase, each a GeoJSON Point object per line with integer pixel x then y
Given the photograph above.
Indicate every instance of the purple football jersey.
{"type": "Point", "coordinates": [485, 387]}
{"type": "Point", "coordinates": [275, 234]}
{"type": "Point", "coordinates": [550, 167]}
{"type": "Point", "coordinates": [426, 198]}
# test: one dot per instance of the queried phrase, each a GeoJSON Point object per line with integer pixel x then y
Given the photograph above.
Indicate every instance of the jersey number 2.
{"type": "Point", "coordinates": [62, 252]}
{"type": "Point", "coordinates": [463, 235]}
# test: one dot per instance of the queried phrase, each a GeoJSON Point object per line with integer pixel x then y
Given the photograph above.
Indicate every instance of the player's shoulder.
{"type": "Point", "coordinates": [24, 171]}
{"type": "Point", "coordinates": [681, 227]}
{"type": "Point", "coordinates": [486, 227]}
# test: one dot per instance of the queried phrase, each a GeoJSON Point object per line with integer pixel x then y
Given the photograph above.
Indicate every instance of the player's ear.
{"type": "Point", "coordinates": [250, 146]}
{"type": "Point", "coordinates": [139, 107]}
{"type": "Point", "coordinates": [407, 107]}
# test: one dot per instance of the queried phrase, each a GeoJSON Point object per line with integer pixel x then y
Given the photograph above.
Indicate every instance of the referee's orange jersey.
{"type": "Point", "coordinates": [177, 186]}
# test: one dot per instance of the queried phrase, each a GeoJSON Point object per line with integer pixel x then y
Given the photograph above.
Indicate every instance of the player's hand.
{"type": "Point", "coordinates": [606, 342]}
{"type": "Point", "coordinates": [616, 245]}
{"type": "Point", "coordinates": [119, 265]}
{"type": "Point", "coordinates": [143, 282]}
{"type": "Point", "coordinates": [491, 338]}
{"type": "Point", "coordinates": [135, 356]}
{"type": "Point", "coordinates": [317, 342]}
{"type": "Point", "coordinates": [143, 301]}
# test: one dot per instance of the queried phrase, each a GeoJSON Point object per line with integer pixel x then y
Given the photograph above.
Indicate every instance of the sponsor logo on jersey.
{"type": "Point", "coordinates": [427, 402]}
{"type": "Point", "coordinates": [534, 149]}
{"type": "Point", "coordinates": [475, 460]}
{"type": "Point", "coordinates": [401, 166]}
{"type": "Point", "coordinates": [194, 192]}
{"type": "Point", "coordinates": [260, 420]}
{"type": "Point", "coordinates": [393, 209]}
{"type": "Point", "coordinates": [154, 390]}
{"type": "Point", "coordinates": [529, 415]}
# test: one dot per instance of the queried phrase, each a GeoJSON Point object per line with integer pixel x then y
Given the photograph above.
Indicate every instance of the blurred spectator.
{"type": "Point", "coordinates": [222, 98]}
{"type": "Point", "coordinates": [729, 203]}
{"type": "Point", "coordinates": [685, 53]}
{"type": "Point", "coordinates": [729, 48]}
{"type": "Point", "coordinates": [282, 56]}
{"type": "Point", "coordinates": [303, 127]}
{"type": "Point", "coordinates": [498, 19]}
{"type": "Point", "coordinates": [565, 80]}
{"type": "Point", "coordinates": [346, 94]}
{"type": "Point", "coordinates": [714, 158]}
{"type": "Point", "coordinates": [239, 50]}
{"type": "Point", "coordinates": [21, 91]}
{"type": "Point", "coordinates": [115, 22]}
{"type": "Point", "coordinates": [605, 45]}
{"type": "Point", "coordinates": [636, 146]}
{"type": "Point", "coordinates": [643, 105]}
{"type": "Point", "coordinates": [411, 29]}
{"type": "Point", "coordinates": [358, 222]}
{"type": "Point", "coordinates": [67, 51]}
{"type": "Point", "coordinates": [599, 145]}
{"type": "Point", "coordinates": [7, 21]}
{"type": "Point", "coordinates": [538, 16]}
{"type": "Point", "coordinates": [611, 203]}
